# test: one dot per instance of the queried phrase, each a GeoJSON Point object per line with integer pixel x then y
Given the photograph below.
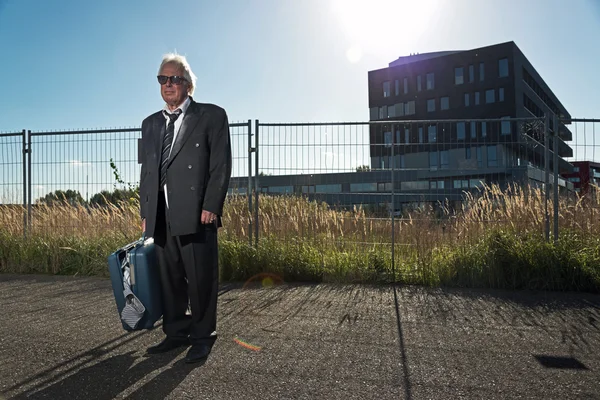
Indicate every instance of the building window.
{"type": "Point", "coordinates": [420, 134]}
{"type": "Point", "coordinates": [575, 169]}
{"type": "Point", "coordinates": [399, 161]}
{"type": "Point", "coordinates": [431, 105]}
{"type": "Point", "coordinates": [483, 129]}
{"type": "Point", "coordinates": [308, 189]}
{"type": "Point", "coordinates": [419, 83]}
{"type": "Point", "coordinates": [501, 94]}
{"type": "Point", "coordinates": [374, 113]}
{"type": "Point", "coordinates": [461, 184]}
{"type": "Point", "coordinates": [474, 183]}
{"type": "Point", "coordinates": [503, 67]}
{"type": "Point", "coordinates": [414, 185]}
{"type": "Point", "coordinates": [479, 158]}
{"type": "Point", "coordinates": [574, 179]}
{"type": "Point", "coordinates": [387, 139]}
{"type": "Point", "coordinates": [468, 153]}
{"type": "Point", "coordinates": [281, 189]}
{"type": "Point", "coordinates": [333, 188]}
{"type": "Point", "coordinates": [467, 99]}
{"type": "Point", "coordinates": [505, 127]}
{"type": "Point", "coordinates": [384, 187]}
{"type": "Point", "coordinates": [397, 92]}
{"type": "Point", "coordinates": [445, 103]}
{"type": "Point", "coordinates": [399, 109]}
{"type": "Point", "coordinates": [382, 112]}
{"type": "Point", "coordinates": [459, 75]}
{"type": "Point", "coordinates": [492, 156]}
{"type": "Point", "coordinates": [391, 111]}
{"type": "Point", "coordinates": [386, 89]}
{"type": "Point", "coordinates": [409, 107]}
{"type": "Point", "coordinates": [476, 98]}
{"type": "Point", "coordinates": [481, 71]}
{"type": "Point", "coordinates": [444, 159]}
{"type": "Point", "coordinates": [363, 187]}
{"type": "Point", "coordinates": [490, 96]}
{"type": "Point", "coordinates": [433, 160]}
{"type": "Point", "coordinates": [398, 136]}
{"type": "Point", "coordinates": [405, 85]}
{"type": "Point", "coordinates": [473, 130]}
{"type": "Point", "coordinates": [460, 130]}
{"type": "Point", "coordinates": [432, 134]}
{"type": "Point", "coordinates": [471, 73]}
{"type": "Point", "coordinates": [406, 135]}
{"type": "Point", "coordinates": [430, 81]}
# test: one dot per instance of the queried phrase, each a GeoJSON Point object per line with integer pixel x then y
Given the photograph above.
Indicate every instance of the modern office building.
{"type": "Point", "coordinates": [426, 114]}
{"type": "Point", "coordinates": [585, 173]}
{"type": "Point", "coordinates": [494, 82]}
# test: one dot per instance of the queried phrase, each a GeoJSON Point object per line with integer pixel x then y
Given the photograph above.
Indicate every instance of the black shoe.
{"type": "Point", "coordinates": [168, 344]}
{"type": "Point", "coordinates": [197, 353]}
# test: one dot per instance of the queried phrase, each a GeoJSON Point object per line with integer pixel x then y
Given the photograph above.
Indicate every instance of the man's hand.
{"type": "Point", "coordinates": [207, 217]}
{"type": "Point", "coordinates": [144, 225]}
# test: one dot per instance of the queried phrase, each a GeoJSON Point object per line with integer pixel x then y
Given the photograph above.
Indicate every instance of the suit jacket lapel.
{"type": "Point", "coordinates": [160, 129]}
{"type": "Point", "coordinates": [190, 120]}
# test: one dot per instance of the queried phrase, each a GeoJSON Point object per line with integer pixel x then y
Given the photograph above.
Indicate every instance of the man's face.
{"type": "Point", "coordinates": [172, 94]}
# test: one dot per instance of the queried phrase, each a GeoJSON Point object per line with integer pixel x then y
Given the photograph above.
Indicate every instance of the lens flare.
{"type": "Point", "coordinates": [246, 345]}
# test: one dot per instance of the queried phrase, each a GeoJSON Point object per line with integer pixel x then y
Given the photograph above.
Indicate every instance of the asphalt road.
{"type": "Point", "coordinates": [60, 338]}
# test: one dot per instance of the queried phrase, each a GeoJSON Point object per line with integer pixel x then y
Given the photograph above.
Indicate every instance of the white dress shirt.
{"type": "Point", "coordinates": [183, 107]}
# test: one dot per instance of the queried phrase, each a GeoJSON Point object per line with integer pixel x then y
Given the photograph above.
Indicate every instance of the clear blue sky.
{"type": "Point", "coordinates": [75, 64]}
{"type": "Point", "coordinates": [71, 64]}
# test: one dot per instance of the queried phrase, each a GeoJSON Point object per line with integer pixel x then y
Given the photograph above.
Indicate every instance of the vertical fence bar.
{"type": "Point", "coordinates": [24, 186]}
{"type": "Point", "coordinates": [556, 175]}
{"type": "Point", "coordinates": [547, 175]}
{"type": "Point", "coordinates": [393, 162]}
{"type": "Point", "coordinates": [29, 181]}
{"type": "Point", "coordinates": [249, 189]}
{"type": "Point", "coordinates": [256, 188]}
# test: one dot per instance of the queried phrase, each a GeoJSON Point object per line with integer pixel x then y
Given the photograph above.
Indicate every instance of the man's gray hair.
{"type": "Point", "coordinates": [179, 60]}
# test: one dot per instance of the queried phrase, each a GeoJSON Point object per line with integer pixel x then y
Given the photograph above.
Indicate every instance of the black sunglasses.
{"type": "Point", "coordinates": [175, 80]}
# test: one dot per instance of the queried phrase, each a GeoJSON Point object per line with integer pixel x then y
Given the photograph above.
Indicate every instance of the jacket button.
{"type": "Point", "coordinates": [192, 188]}
{"type": "Point", "coordinates": [189, 167]}
{"type": "Point", "coordinates": [197, 144]}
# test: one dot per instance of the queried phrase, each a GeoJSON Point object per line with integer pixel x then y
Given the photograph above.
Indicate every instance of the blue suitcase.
{"type": "Point", "coordinates": [144, 279]}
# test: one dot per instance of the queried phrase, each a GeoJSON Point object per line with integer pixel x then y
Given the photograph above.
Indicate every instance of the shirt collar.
{"type": "Point", "coordinates": [183, 106]}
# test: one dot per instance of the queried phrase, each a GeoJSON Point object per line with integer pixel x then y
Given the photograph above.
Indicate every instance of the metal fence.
{"type": "Point", "coordinates": [13, 186]}
{"type": "Point", "coordinates": [401, 183]}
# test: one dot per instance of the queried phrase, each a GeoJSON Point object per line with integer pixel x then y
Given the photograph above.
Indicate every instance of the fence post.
{"type": "Point", "coordinates": [256, 188]}
{"type": "Point", "coordinates": [29, 181]}
{"type": "Point", "coordinates": [393, 162]}
{"type": "Point", "coordinates": [556, 175]}
{"type": "Point", "coordinates": [249, 188]}
{"type": "Point", "coordinates": [547, 173]}
{"type": "Point", "coordinates": [24, 185]}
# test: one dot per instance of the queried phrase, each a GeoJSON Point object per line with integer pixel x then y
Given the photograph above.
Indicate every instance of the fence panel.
{"type": "Point", "coordinates": [90, 169]}
{"type": "Point", "coordinates": [398, 190]}
{"type": "Point", "coordinates": [580, 210]}
{"type": "Point", "coordinates": [238, 217]}
{"type": "Point", "coordinates": [94, 170]}
{"type": "Point", "coordinates": [12, 181]}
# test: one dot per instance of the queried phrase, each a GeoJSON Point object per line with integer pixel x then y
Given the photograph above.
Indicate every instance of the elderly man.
{"type": "Point", "coordinates": [186, 166]}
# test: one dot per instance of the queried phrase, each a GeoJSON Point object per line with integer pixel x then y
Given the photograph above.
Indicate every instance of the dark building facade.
{"type": "Point", "coordinates": [494, 82]}
{"type": "Point", "coordinates": [427, 140]}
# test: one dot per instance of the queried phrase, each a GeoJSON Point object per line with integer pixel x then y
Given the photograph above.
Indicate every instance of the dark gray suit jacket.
{"type": "Point", "coordinates": [198, 172]}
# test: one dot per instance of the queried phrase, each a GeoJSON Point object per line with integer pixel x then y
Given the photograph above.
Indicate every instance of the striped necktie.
{"type": "Point", "coordinates": [166, 147]}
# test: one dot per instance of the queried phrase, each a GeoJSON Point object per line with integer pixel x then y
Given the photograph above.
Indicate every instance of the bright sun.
{"type": "Point", "coordinates": [383, 26]}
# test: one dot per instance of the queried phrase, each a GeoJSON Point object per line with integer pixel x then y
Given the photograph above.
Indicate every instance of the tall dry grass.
{"type": "Point", "coordinates": [490, 241]}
